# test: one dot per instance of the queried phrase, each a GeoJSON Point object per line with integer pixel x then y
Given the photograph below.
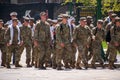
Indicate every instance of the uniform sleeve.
{"type": "Point", "coordinates": [74, 35]}
{"type": "Point", "coordinates": [58, 35]}
{"type": "Point", "coordinates": [7, 35]}
{"type": "Point", "coordinates": [36, 34]}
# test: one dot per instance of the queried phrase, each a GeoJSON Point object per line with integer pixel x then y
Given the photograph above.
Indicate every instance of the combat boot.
{"type": "Point", "coordinates": [41, 67]}
{"type": "Point", "coordinates": [102, 65]}
{"type": "Point", "coordinates": [17, 64]}
{"type": "Point", "coordinates": [8, 65]}
{"type": "Point", "coordinates": [110, 66]}
{"type": "Point", "coordinates": [86, 66]}
{"type": "Point", "coordinates": [59, 67]}
{"type": "Point", "coordinates": [93, 66]}
{"type": "Point", "coordinates": [67, 66]}
{"type": "Point", "coordinates": [3, 64]}
{"type": "Point", "coordinates": [78, 66]}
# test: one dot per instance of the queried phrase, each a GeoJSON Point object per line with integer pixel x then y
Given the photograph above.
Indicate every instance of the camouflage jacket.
{"type": "Point", "coordinates": [99, 36]}
{"type": "Point", "coordinates": [42, 32]}
{"type": "Point", "coordinates": [26, 34]}
{"type": "Point", "coordinates": [82, 35]}
{"type": "Point", "coordinates": [2, 35]}
{"type": "Point", "coordinates": [115, 34]}
{"type": "Point", "coordinates": [63, 34]}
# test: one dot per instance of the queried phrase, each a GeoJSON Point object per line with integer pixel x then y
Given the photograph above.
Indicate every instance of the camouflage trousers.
{"type": "Point", "coordinates": [82, 55]}
{"type": "Point", "coordinates": [9, 50]}
{"type": "Point", "coordinates": [112, 53]}
{"type": "Point", "coordinates": [43, 52]}
{"type": "Point", "coordinates": [28, 52]}
{"type": "Point", "coordinates": [3, 55]}
{"type": "Point", "coordinates": [96, 55]}
{"type": "Point", "coordinates": [64, 54]}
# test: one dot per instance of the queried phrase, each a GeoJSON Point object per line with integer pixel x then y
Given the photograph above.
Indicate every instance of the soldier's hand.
{"type": "Point", "coordinates": [62, 45]}
{"type": "Point", "coordinates": [8, 44]}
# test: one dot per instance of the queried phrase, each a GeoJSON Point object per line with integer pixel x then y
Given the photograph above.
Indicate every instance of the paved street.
{"type": "Point", "coordinates": [51, 74]}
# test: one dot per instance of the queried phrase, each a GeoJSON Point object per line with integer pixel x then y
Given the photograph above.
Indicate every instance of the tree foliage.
{"type": "Point", "coordinates": [106, 4]}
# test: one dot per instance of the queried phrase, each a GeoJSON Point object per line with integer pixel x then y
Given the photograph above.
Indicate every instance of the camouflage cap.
{"type": "Point", "coordinates": [65, 15]}
{"type": "Point", "coordinates": [54, 21]}
{"type": "Point", "coordinates": [100, 21]}
{"type": "Point", "coordinates": [110, 11]}
{"type": "Point", "coordinates": [42, 13]}
{"type": "Point", "coordinates": [113, 15]}
{"type": "Point", "coordinates": [15, 19]}
{"type": "Point", "coordinates": [117, 19]}
{"type": "Point", "coordinates": [13, 14]}
{"type": "Point", "coordinates": [83, 19]}
{"type": "Point", "coordinates": [31, 19]}
{"type": "Point", "coordinates": [26, 18]}
{"type": "Point", "coordinates": [89, 17]}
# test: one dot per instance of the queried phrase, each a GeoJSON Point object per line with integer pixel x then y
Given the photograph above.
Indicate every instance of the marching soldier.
{"type": "Point", "coordinates": [26, 37]}
{"type": "Point", "coordinates": [81, 38]}
{"type": "Point", "coordinates": [98, 37]}
{"type": "Point", "coordinates": [2, 44]}
{"type": "Point", "coordinates": [13, 42]}
{"type": "Point", "coordinates": [42, 39]}
{"type": "Point", "coordinates": [63, 43]}
{"type": "Point", "coordinates": [114, 45]}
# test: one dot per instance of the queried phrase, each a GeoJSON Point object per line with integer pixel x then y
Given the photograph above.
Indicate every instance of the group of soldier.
{"type": "Point", "coordinates": [54, 43]}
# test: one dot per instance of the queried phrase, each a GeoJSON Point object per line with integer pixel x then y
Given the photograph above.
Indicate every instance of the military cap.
{"type": "Point", "coordinates": [59, 19]}
{"type": "Point", "coordinates": [65, 15]}
{"type": "Point", "coordinates": [32, 19]}
{"type": "Point", "coordinates": [113, 15]}
{"type": "Point", "coordinates": [26, 18]}
{"type": "Point", "coordinates": [42, 13]}
{"type": "Point", "coordinates": [117, 19]}
{"type": "Point", "coordinates": [82, 18]}
{"type": "Point", "coordinates": [15, 19]}
{"type": "Point", "coordinates": [49, 20]}
{"type": "Point", "coordinates": [1, 20]}
{"type": "Point", "coordinates": [60, 16]}
{"type": "Point", "coordinates": [100, 21]}
{"type": "Point", "coordinates": [54, 21]}
{"type": "Point", "coordinates": [89, 17]}
{"type": "Point", "coordinates": [13, 13]}
{"type": "Point", "coordinates": [110, 11]}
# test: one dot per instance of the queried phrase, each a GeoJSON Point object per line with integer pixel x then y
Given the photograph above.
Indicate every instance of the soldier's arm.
{"type": "Point", "coordinates": [58, 35]}
{"type": "Point", "coordinates": [36, 34]}
{"type": "Point", "coordinates": [7, 35]}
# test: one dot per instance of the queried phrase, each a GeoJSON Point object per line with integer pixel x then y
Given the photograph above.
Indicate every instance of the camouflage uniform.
{"type": "Point", "coordinates": [42, 37]}
{"type": "Point", "coordinates": [96, 46]}
{"type": "Point", "coordinates": [13, 47]}
{"type": "Point", "coordinates": [2, 46]}
{"type": "Point", "coordinates": [63, 36]}
{"type": "Point", "coordinates": [81, 35]}
{"type": "Point", "coordinates": [114, 45]}
{"type": "Point", "coordinates": [26, 37]}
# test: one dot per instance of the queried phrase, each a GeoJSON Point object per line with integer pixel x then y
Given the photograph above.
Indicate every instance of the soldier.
{"type": "Point", "coordinates": [26, 37]}
{"type": "Point", "coordinates": [114, 43]}
{"type": "Point", "coordinates": [13, 15]}
{"type": "Point", "coordinates": [108, 19]}
{"type": "Point", "coordinates": [81, 38]}
{"type": "Point", "coordinates": [63, 43]}
{"type": "Point", "coordinates": [13, 42]}
{"type": "Point", "coordinates": [2, 44]}
{"type": "Point", "coordinates": [89, 22]}
{"type": "Point", "coordinates": [108, 27]}
{"type": "Point", "coordinates": [97, 38]}
{"type": "Point", "coordinates": [42, 39]}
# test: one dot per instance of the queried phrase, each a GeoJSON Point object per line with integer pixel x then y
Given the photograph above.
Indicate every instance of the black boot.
{"type": "Point", "coordinates": [8, 65]}
{"type": "Point", "coordinates": [17, 64]}
{"type": "Point", "coordinates": [78, 66]}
